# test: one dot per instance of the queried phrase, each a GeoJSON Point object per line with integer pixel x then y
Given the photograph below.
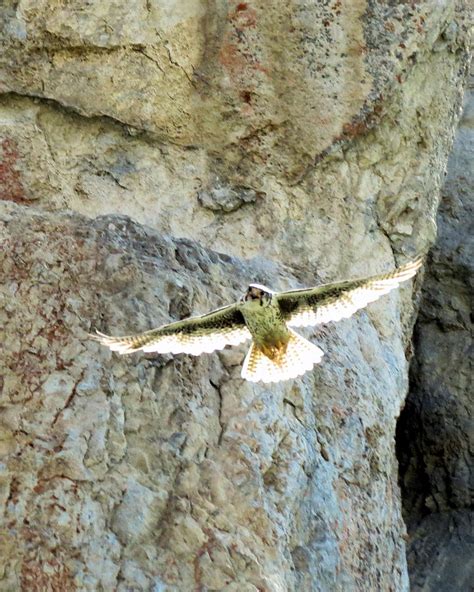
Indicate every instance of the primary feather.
{"type": "Point", "coordinates": [194, 335]}
{"type": "Point", "coordinates": [340, 300]}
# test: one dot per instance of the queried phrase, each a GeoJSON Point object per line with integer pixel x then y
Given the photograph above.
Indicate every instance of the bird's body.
{"type": "Point", "coordinates": [277, 351]}
{"type": "Point", "coordinates": [265, 322]}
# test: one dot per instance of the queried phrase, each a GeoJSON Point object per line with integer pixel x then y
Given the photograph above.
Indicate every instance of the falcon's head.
{"type": "Point", "coordinates": [258, 294]}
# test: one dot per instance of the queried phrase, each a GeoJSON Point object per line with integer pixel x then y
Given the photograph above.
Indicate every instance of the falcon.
{"type": "Point", "coordinates": [268, 319]}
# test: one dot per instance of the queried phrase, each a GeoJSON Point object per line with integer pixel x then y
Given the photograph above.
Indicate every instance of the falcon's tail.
{"type": "Point", "coordinates": [299, 357]}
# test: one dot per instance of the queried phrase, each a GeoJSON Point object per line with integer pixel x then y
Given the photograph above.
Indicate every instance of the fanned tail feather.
{"type": "Point", "coordinates": [299, 357]}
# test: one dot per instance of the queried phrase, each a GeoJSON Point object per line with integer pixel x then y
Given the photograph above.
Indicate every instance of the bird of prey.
{"type": "Point", "coordinates": [267, 318]}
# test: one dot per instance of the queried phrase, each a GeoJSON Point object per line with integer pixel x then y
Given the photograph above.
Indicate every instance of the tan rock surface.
{"type": "Point", "coordinates": [285, 144]}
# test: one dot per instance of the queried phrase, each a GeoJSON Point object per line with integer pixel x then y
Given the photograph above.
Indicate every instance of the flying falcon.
{"type": "Point", "coordinates": [267, 318]}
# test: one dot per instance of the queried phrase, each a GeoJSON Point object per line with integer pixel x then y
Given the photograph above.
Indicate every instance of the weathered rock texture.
{"type": "Point", "coordinates": [436, 431]}
{"type": "Point", "coordinates": [285, 143]}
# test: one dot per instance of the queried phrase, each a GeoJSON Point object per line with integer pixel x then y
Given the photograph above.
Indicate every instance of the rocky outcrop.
{"type": "Point", "coordinates": [281, 109]}
{"type": "Point", "coordinates": [142, 472]}
{"type": "Point", "coordinates": [199, 147]}
{"type": "Point", "coordinates": [435, 432]}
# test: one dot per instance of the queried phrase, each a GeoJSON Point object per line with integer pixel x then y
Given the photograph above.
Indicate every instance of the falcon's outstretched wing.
{"type": "Point", "coordinates": [195, 335]}
{"type": "Point", "coordinates": [333, 302]}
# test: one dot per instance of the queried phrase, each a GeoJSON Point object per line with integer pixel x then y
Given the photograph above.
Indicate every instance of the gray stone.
{"type": "Point", "coordinates": [436, 431]}
{"type": "Point", "coordinates": [226, 199]}
{"type": "Point", "coordinates": [223, 479]}
{"type": "Point", "coordinates": [155, 157]}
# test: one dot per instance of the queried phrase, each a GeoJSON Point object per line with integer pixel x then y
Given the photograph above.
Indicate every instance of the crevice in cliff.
{"type": "Point", "coordinates": [150, 136]}
{"type": "Point", "coordinates": [219, 412]}
{"type": "Point", "coordinates": [71, 110]}
{"type": "Point", "coordinates": [172, 60]}
{"type": "Point", "coordinates": [413, 473]}
{"type": "Point", "coordinates": [68, 401]}
{"type": "Point", "coordinates": [433, 438]}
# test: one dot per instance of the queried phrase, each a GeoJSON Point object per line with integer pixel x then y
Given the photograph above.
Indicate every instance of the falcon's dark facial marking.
{"type": "Point", "coordinates": [256, 293]}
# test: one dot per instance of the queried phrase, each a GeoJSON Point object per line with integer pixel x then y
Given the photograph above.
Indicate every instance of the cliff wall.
{"type": "Point", "coordinates": [154, 159]}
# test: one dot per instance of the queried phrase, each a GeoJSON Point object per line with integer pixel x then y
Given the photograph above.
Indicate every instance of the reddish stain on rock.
{"type": "Point", "coordinates": [51, 575]}
{"type": "Point", "coordinates": [240, 63]}
{"type": "Point", "coordinates": [237, 52]}
{"type": "Point", "coordinates": [231, 58]}
{"type": "Point", "coordinates": [11, 187]}
{"type": "Point", "coordinates": [245, 16]}
{"type": "Point", "coordinates": [362, 123]}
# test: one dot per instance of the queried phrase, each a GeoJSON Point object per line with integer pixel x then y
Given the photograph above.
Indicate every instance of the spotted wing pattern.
{"type": "Point", "coordinates": [333, 302]}
{"type": "Point", "coordinates": [195, 335]}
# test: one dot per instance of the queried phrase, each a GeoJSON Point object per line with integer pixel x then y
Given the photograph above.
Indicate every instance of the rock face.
{"type": "Point", "coordinates": [283, 144]}
{"type": "Point", "coordinates": [436, 432]}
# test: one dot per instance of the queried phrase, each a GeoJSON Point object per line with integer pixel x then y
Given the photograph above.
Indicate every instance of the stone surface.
{"type": "Point", "coordinates": [436, 431]}
{"type": "Point", "coordinates": [225, 77]}
{"type": "Point", "coordinates": [348, 119]}
{"type": "Point", "coordinates": [132, 471]}
{"type": "Point", "coordinates": [283, 144]}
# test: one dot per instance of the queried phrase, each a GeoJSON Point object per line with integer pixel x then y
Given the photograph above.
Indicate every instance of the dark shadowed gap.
{"type": "Point", "coordinates": [435, 433]}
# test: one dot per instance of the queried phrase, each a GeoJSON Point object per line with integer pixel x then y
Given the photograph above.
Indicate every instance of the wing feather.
{"type": "Point", "coordinates": [195, 335]}
{"type": "Point", "coordinates": [333, 302]}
